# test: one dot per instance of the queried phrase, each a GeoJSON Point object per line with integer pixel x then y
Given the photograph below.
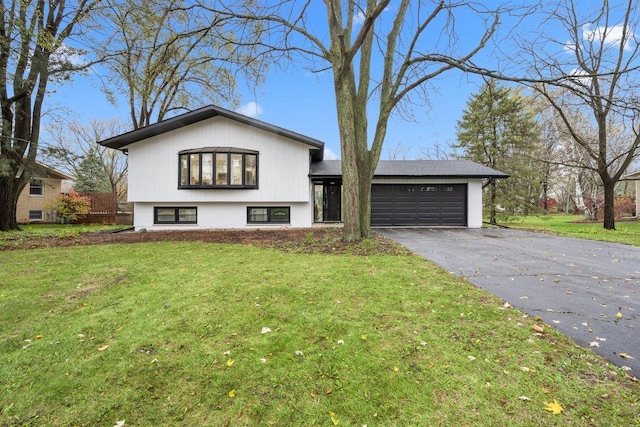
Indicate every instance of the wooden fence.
{"type": "Point", "coordinates": [102, 203]}
{"type": "Point", "coordinates": [104, 207]}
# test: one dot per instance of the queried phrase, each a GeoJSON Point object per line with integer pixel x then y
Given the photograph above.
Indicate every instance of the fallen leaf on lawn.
{"type": "Point", "coordinates": [230, 362]}
{"type": "Point", "coordinates": [334, 420]}
{"type": "Point", "coordinates": [39, 337]}
{"type": "Point", "coordinates": [553, 407]}
{"type": "Point", "coordinates": [396, 369]}
{"type": "Point", "coordinates": [538, 328]}
{"type": "Point", "coordinates": [232, 393]}
{"type": "Point", "coordinates": [626, 356]}
{"type": "Point", "coordinates": [525, 368]}
{"type": "Point", "coordinates": [363, 337]}
{"type": "Point", "coordinates": [103, 347]}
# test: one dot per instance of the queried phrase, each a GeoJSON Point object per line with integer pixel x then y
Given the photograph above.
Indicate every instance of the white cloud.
{"type": "Point", "coordinates": [66, 54]}
{"type": "Point", "coordinates": [329, 155]}
{"type": "Point", "coordinates": [360, 16]}
{"type": "Point", "coordinates": [611, 36]}
{"type": "Point", "coordinates": [251, 109]}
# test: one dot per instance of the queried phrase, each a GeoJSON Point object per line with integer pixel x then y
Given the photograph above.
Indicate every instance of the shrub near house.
{"type": "Point", "coordinates": [71, 206]}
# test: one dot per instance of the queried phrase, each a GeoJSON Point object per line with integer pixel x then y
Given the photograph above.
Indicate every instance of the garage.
{"type": "Point", "coordinates": [419, 205]}
{"type": "Point", "coordinates": [409, 193]}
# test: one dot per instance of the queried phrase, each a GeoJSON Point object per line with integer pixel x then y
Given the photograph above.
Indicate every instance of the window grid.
{"type": "Point", "coordinates": [269, 215]}
{"type": "Point", "coordinates": [36, 187]}
{"type": "Point", "coordinates": [175, 215]}
{"type": "Point", "coordinates": [211, 169]}
{"type": "Point", "coordinates": [36, 215]}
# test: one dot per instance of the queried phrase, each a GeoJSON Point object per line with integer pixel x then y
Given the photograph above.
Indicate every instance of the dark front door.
{"type": "Point", "coordinates": [332, 202]}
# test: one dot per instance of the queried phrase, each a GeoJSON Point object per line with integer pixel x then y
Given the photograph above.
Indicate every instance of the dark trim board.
{"type": "Point", "coordinates": [419, 205]}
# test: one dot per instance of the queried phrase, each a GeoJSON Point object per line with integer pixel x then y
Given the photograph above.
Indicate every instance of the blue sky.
{"type": "Point", "coordinates": [301, 101]}
{"type": "Point", "coordinates": [304, 102]}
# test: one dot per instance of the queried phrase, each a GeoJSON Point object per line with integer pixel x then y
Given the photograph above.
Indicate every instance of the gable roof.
{"type": "Point", "coordinates": [121, 141]}
{"type": "Point", "coordinates": [413, 169]}
{"type": "Point", "coordinates": [632, 176]}
{"type": "Point", "coordinates": [40, 170]}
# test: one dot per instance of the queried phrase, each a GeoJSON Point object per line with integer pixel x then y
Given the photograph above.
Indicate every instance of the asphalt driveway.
{"type": "Point", "coordinates": [588, 290]}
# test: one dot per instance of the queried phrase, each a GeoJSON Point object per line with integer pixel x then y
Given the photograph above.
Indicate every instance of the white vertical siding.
{"type": "Point", "coordinates": [219, 215]}
{"type": "Point", "coordinates": [474, 203]}
{"type": "Point", "coordinates": [283, 164]}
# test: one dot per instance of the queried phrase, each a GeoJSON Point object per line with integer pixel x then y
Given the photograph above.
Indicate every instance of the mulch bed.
{"type": "Point", "coordinates": [304, 240]}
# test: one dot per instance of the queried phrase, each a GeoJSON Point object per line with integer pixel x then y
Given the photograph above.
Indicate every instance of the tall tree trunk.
{"type": "Point", "coordinates": [364, 185]}
{"type": "Point", "coordinates": [609, 222]}
{"type": "Point", "coordinates": [8, 203]}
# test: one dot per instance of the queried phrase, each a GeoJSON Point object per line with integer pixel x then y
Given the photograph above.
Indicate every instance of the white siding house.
{"type": "Point", "coordinates": [214, 168]}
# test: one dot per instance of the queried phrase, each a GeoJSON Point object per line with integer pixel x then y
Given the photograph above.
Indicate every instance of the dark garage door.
{"type": "Point", "coordinates": [402, 204]}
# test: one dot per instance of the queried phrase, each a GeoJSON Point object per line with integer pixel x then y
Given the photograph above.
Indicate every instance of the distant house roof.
{"type": "Point", "coordinates": [120, 142]}
{"type": "Point", "coordinates": [413, 169]}
{"type": "Point", "coordinates": [634, 175]}
{"type": "Point", "coordinates": [43, 171]}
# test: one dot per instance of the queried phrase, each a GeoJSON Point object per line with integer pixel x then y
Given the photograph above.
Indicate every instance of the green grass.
{"type": "Point", "coordinates": [35, 232]}
{"type": "Point", "coordinates": [627, 232]}
{"type": "Point", "coordinates": [171, 334]}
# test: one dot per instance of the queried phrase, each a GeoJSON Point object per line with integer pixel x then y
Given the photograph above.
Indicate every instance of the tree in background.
{"type": "Point", "coordinates": [72, 143]}
{"type": "Point", "coordinates": [32, 54]}
{"type": "Point", "coordinates": [91, 177]}
{"type": "Point", "coordinates": [167, 56]}
{"type": "Point", "coordinates": [594, 62]}
{"type": "Point", "coordinates": [382, 57]}
{"type": "Point", "coordinates": [498, 130]}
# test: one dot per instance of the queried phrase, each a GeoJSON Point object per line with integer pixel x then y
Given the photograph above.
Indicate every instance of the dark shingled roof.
{"type": "Point", "coordinates": [121, 141]}
{"type": "Point", "coordinates": [413, 169]}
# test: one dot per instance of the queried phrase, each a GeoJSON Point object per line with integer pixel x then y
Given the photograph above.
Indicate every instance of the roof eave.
{"type": "Point", "coordinates": [120, 141]}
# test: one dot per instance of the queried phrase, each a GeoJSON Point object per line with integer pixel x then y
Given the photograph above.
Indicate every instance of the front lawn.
{"type": "Point", "coordinates": [31, 233]}
{"type": "Point", "coordinates": [191, 333]}
{"type": "Point", "coordinates": [627, 232]}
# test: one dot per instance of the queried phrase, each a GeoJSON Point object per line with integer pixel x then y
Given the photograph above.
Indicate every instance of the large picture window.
{"type": "Point", "coordinates": [171, 215]}
{"type": "Point", "coordinates": [218, 167]}
{"type": "Point", "coordinates": [266, 215]}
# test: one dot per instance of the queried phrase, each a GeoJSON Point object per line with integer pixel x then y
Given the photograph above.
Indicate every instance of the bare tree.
{"type": "Point", "coordinates": [382, 56]}
{"type": "Point", "coordinates": [72, 142]}
{"type": "Point", "coordinates": [167, 56]}
{"type": "Point", "coordinates": [595, 64]}
{"type": "Point", "coordinates": [438, 151]}
{"type": "Point", "coordinates": [398, 151]}
{"type": "Point", "coordinates": [32, 53]}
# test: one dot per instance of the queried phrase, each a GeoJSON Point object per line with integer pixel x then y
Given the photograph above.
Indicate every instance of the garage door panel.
{"type": "Point", "coordinates": [424, 204]}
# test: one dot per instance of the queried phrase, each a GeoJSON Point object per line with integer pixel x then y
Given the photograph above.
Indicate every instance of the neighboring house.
{"type": "Point", "coordinates": [214, 168]}
{"type": "Point", "coordinates": [636, 177]}
{"type": "Point", "coordinates": [43, 189]}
